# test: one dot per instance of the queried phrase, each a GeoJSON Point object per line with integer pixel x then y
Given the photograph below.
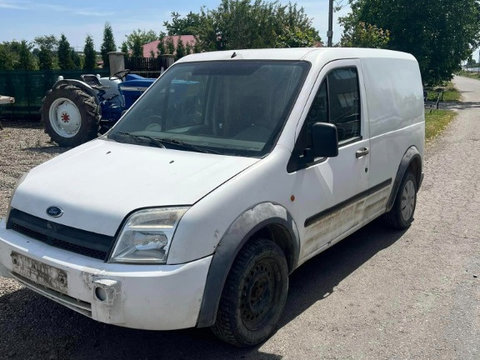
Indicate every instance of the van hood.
{"type": "Point", "coordinates": [99, 183]}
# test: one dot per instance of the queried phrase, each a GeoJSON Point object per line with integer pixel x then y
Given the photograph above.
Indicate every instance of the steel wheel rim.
{"type": "Point", "coordinates": [259, 294]}
{"type": "Point", "coordinates": [65, 117]}
{"type": "Point", "coordinates": [407, 204]}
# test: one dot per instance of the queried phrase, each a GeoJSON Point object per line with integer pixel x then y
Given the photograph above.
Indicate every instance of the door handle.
{"type": "Point", "coordinates": [361, 152]}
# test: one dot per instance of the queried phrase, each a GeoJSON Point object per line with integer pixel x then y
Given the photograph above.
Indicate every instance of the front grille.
{"type": "Point", "coordinates": [64, 237]}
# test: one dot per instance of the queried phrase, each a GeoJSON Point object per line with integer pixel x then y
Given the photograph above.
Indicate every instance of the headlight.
{"type": "Point", "coordinates": [19, 181]}
{"type": "Point", "coordinates": [146, 236]}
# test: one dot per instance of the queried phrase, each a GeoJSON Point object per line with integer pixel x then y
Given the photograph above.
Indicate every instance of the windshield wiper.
{"type": "Point", "coordinates": [136, 139]}
{"type": "Point", "coordinates": [178, 144]}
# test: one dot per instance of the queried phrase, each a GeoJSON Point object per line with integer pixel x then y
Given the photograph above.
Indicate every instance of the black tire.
{"type": "Point", "coordinates": [401, 215]}
{"type": "Point", "coordinates": [77, 104]}
{"type": "Point", "coordinates": [254, 295]}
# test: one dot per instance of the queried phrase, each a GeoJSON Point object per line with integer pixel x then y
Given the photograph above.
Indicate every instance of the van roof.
{"type": "Point", "coordinates": [309, 54]}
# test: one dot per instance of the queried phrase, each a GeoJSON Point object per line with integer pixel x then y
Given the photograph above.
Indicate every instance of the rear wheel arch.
{"type": "Point", "coordinates": [411, 162]}
{"type": "Point", "coordinates": [264, 221]}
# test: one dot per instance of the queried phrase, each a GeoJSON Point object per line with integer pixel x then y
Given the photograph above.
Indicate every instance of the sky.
{"type": "Point", "coordinates": [27, 19]}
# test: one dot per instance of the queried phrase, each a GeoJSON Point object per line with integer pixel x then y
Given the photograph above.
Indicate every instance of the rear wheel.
{"type": "Point", "coordinates": [254, 295]}
{"type": "Point", "coordinates": [401, 215]}
{"type": "Point", "coordinates": [70, 115]}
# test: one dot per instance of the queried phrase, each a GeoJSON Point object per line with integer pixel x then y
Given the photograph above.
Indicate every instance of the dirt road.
{"type": "Point", "coordinates": [377, 295]}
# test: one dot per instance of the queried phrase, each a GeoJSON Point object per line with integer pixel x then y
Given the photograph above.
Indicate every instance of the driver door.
{"type": "Point", "coordinates": [329, 190]}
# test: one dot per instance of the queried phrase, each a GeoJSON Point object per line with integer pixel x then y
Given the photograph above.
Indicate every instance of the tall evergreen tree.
{"type": "Point", "coordinates": [26, 60]}
{"type": "Point", "coordinates": [64, 53]}
{"type": "Point", "coordinates": [76, 59]}
{"type": "Point", "coordinates": [90, 54]}
{"type": "Point", "coordinates": [170, 46]}
{"type": "Point", "coordinates": [161, 45]}
{"type": "Point", "coordinates": [107, 45]}
{"type": "Point", "coordinates": [180, 51]}
{"type": "Point", "coordinates": [46, 55]}
{"type": "Point", "coordinates": [124, 48]}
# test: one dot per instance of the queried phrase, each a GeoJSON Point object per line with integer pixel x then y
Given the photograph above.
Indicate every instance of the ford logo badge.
{"type": "Point", "coordinates": [54, 211]}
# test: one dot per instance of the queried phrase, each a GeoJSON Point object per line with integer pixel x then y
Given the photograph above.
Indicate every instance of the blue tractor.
{"type": "Point", "coordinates": [75, 111]}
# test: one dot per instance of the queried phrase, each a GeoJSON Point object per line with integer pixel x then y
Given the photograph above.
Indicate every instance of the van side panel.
{"type": "Point", "coordinates": [396, 114]}
{"type": "Point", "coordinates": [394, 94]}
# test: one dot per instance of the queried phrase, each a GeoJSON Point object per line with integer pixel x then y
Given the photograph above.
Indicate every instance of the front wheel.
{"type": "Point", "coordinates": [401, 215]}
{"type": "Point", "coordinates": [70, 115]}
{"type": "Point", "coordinates": [254, 295]}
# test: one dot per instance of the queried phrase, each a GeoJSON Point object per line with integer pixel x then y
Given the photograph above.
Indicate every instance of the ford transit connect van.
{"type": "Point", "coordinates": [232, 170]}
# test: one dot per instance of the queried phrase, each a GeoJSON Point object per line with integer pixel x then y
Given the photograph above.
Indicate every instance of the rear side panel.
{"type": "Point", "coordinates": [396, 113]}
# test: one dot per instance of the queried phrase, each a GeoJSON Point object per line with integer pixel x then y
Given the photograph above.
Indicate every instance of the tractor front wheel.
{"type": "Point", "coordinates": [70, 116]}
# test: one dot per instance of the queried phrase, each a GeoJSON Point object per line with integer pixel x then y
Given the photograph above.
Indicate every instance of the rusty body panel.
{"type": "Point", "coordinates": [336, 225]}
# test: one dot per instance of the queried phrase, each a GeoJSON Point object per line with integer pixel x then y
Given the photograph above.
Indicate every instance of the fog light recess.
{"type": "Point", "coordinates": [100, 293]}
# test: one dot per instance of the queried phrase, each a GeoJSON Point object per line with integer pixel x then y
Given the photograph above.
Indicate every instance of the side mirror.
{"type": "Point", "coordinates": [324, 140]}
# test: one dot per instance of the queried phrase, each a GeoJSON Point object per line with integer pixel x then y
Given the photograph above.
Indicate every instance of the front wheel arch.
{"type": "Point", "coordinates": [257, 222]}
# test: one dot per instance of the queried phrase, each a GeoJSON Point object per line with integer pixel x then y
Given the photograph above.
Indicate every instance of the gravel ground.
{"type": "Point", "coordinates": [377, 295]}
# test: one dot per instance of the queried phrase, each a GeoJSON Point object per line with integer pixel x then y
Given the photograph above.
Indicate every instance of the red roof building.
{"type": "Point", "coordinates": [153, 46]}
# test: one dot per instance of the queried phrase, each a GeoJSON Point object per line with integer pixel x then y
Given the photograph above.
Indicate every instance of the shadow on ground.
{"type": "Point", "coordinates": [32, 327]}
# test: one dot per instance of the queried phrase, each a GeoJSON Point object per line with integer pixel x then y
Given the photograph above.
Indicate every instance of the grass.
{"type": "Point", "coordinates": [470, 74]}
{"type": "Point", "coordinates": [449, 93]}
{"type": "Point", "coordinates": [436, 121]}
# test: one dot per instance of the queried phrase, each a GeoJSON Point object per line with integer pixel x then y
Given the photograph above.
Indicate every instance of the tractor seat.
{"type": "Point", "coordinates": [93, 81]}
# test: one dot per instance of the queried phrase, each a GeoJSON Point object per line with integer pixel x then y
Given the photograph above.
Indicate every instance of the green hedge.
{"type": "Point", "coordinates": [29, 87]}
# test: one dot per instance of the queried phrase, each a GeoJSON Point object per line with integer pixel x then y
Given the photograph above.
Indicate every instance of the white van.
{"type": "Point", "coordinates": [231, 171]}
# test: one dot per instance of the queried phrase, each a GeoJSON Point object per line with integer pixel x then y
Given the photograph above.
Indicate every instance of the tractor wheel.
{"type": "Point", "coordinates": [70, 116]}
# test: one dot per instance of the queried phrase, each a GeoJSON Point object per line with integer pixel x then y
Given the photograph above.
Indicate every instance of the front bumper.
{"type": "Point", "coordinates": [153, 297]}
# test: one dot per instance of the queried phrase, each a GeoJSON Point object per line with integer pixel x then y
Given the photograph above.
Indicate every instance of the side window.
{"type": "Point", "coordinates": [337, 101]}
{"type": "Point", "coordinates": [344, 101]}
{"type": "Point", "coordinates": [318, 113]}
{"type": "Point", "coordinates": [319, 109]}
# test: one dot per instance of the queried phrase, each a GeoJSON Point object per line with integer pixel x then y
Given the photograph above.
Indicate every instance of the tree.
{"type": "Point", "coordinates": [365, 35]}
{"type": "Point", "coordinates": [187, 25]}
{"type": "Point", "coordinates": [90, 54]}
{"type": "Point", "coordinates": [17, 55]}
{"type": "Point", "coordinates": [169, 45]}
{"type": "Point", "coordinates": [137, 47]}
{"type": "Point", "coordinates": [47, 46]}
{"type": "Point", "coordinates": [26, 60]}
{"type": "Point", "coordinates": [107, 45]}
{"type": "Point", "coordinates": [180, 51]}
{"type": "Point", "coordinates": [76, 59]}
{"type": "Point", "coordinates": [124, 48]}
{"type": "Point", "coordinates": [7, 57]}
{"type": "Point", "coordinates": [161, 45]}
{"type": "Point", "coordinates": [137, 39]}
{"type": "Point", "coordinates": [188, 48]}
{"type": "Point", "coordinates": [440, 34]}
{"type": "Point", "coordinates": [237, 24]}
{"type": "Point", "coordinates": [64, 53]}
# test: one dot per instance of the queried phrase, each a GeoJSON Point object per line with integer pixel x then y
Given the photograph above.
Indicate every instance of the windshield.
{"type": "Point", "coordinates": [226, 107]}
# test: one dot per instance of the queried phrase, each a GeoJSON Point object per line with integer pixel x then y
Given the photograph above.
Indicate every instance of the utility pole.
{"type": "Point", "coordinates": [330, 24]}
